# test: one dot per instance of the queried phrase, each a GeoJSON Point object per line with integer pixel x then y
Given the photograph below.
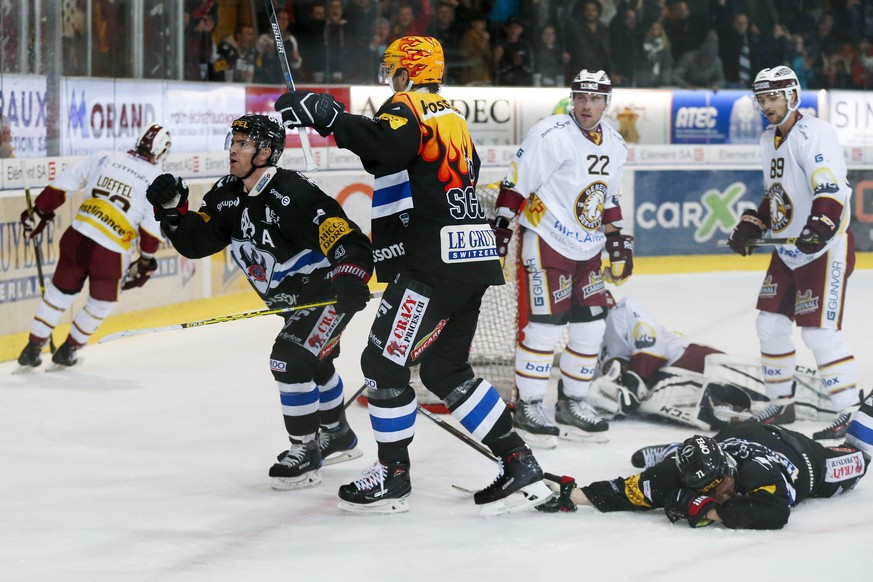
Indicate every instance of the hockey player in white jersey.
{"type": "Point", "coordinates": [113, 223]}
{"type": "Point", "coordinates": [565, 179]}
{"type": "Point", "coordinates": [806, 196]}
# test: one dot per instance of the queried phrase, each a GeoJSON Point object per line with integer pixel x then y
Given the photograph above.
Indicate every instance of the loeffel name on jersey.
{"type": "Point", "coordinates": [466, 243]}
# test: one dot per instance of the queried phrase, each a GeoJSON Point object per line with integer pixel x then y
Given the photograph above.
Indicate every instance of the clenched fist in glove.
{"type": "Point", "coordinates": [139, 272]}
{"type": "Point", "coordinates": [350, 286]}
{"type": "Point", "coordinates": [815, 234]}
{"type": "Point", "coordinates": [502, 235]}
{"type": "Point", "coordinates": [620, 248]}
{"type": "Point", "coordinates": [750, 226]}
{"type": "Point", "coordinates": [308, 109]}
{"type": "Point", "coordinates": [33, 229]}
{"type": "Point", "coordinates": [563, 487]}
{"type": "Point", "coordinates": [688, 504]}
{"type": "Point", "coordinates": [169, 197]}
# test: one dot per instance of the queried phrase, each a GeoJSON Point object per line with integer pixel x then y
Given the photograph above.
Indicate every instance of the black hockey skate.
{"type": "Point", "coordinates": [582, 421]}
{"type": "Point", "coordinates": [65, 356]}
{"type": "Point", "coordinates": [650, 456]}
{"type": "Point", "coordinates": [382, 489]}
{"type": "Point", "coordinates": [779, 411]}
{"type": "Point", "coordinates": [519, 485]}
{"type": "Point", "coordinates": [836, 430]}
{"type": "Point", "coordinates": [338, 444]}
{"type": "Point", "coordinates": [30, 355]}
{"type": "Point", "coordinates": [297, 467]}
{"type": "Point", "coordinates": [538, 430]}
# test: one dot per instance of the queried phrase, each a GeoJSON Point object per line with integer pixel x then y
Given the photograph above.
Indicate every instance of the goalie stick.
{"type": "Point", "coordinates": [219, 319]}
{"type": "Point", "coordinates": [308, 156]}
{"type": "Point", "coordinates": [37, 253]}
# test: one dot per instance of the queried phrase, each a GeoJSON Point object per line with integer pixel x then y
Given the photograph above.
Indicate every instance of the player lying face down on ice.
{"type": "Point", "coordinates": [747, 476]}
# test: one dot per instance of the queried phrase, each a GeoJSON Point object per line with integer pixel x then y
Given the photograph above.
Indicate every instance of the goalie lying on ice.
{"type": "Point", "coordinates": [748, 476]}
{"type": "Point", "coordinates": [660, 373]}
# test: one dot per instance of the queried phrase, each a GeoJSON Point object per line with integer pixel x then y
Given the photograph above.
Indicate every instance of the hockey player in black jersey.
{"type": "Point", "coordinates": [295, 246]}
{"type": "Point", "coordinates": [437, 253]}
{"type": "Point", "coordinates": [748, 476]}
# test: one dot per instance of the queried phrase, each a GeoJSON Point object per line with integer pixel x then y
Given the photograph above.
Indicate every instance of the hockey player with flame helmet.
{"type": "Point", "coordinates": [566, 180]}
{"type": "Point", "coordinates": [295, 246]}
{"type": "Point", "coordinates": [807, 198]}
{"type": "Point", "coordinates": [748, 476]}
{"type": "Point", "coordinates": [436, 250]}
{"type": "Point", "coordinates": [112, 223]}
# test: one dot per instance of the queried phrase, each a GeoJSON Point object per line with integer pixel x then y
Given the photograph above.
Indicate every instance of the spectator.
{"type": "Point", "coordinates": [837, 67]}
{"type": "Point", "coordinates": [377, 46]}
{"type": "Point", "coordinates": [7, 150]}
{"type": "Point", "coordinates": [624, 38]}
{"type": "Point", "coordinates": [550, 59]}
{"type": "Point", "coordinates": [268, 69]}
{"type": "Point", "coordinates": [361, 16]}
{"type": "Point", "coordinates": [311, 36]}
{"type": "Point", "coordinates": [821, 42]}
{"type": "Point", "coordinates": [776, 46]}
{"type": "Point", "coordinates": [476, 46]}
{"type": "Point", "coordinates": [240, 54]}
{"type": "Point", "coordinates": [336, 42]}
{"type": "Point", "coordinates": [701, 69]}
{"type": "Point", "coordinates": [448, 34]}
{"type": "Point", "coordinates": [408, 24]}
{"type": "Point", "coordinates": [292, 48]}
{"type": "Point", "coordinates": [513, 56]}
{"type": "Point", "coordinates": [590, 49]}
{"type": "Point", "coordinates": [201, 56]}
{"type": "Point", "coordinates": [862, 71]}
{"type": "Point", "coordinates": [655, 68]}
{"type": "Point", "coordinates": [682, 30]}
{"type": "Point", "coordinates": [739, 52]}
{"type": "Point", "coordinates": [801, 62]}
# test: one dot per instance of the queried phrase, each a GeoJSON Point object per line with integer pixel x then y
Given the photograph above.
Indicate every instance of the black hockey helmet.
{"type": "Point", "coordinates": [703, 464]}
{"type": "Point", "coordinates": [264, 130]}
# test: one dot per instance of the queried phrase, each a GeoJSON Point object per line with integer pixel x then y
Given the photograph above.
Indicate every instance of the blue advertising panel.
{"type": "Point", "coordinates": [726, 117]}
{"type": "Point", "coordinates": [686, 212]}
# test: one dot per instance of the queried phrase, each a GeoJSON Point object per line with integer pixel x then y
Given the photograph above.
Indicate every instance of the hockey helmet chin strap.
{"type": "Point", "coordinates": [255, 167]}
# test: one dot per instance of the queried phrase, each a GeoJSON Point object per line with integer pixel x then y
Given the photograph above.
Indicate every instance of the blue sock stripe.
{"type": "Point", "coordinates": [861, 432]}
{"type": "Point", "coordinates": [329, 394]}
{"type": "Point", "coordinates": [299, 398]}
{"type": "Point", "coordinates": [482, 410]}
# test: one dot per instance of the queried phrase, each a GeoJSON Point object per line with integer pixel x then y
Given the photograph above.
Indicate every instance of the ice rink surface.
{"type": "Point", "coordinates": [149, 462]}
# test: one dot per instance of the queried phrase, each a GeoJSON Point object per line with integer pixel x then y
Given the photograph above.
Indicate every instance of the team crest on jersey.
{"type": "Point", "coordinates": [768, 288]}
{"type": "Point", "coordinates": [644, 335]}
{"type": "Point", "coordinates": [589, 206]}
{"type": "Point", "coordinates": [257, 264]}
{"type": "Point", "coordinates": [805, 302]}
{"type": "Point", "coordinates": [781, 208]}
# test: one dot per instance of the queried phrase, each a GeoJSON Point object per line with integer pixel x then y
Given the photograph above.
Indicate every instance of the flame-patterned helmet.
{"type": "Point", "coordinates": [153, 144]}
{"type": "Point", "coordinates": [421, 56]}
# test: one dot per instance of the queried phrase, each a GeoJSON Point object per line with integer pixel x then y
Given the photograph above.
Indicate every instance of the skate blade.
{"type": "Point", "coordinates": [576, 434]}
{"type": "Point", "coordinates": [342, 457]}
{"type": "Point", "coordinates": [309, 479]}
{"type": "Point", "coordinates": [538, 441]}
{"type": "Point", "coordinates": [381, 507]}
{"type": "Point", "coordinates": [528, 496]}
{"type": "Point", "coordinates": [53, 367]}
{"type": "Point", "coordinates": [23, 370]}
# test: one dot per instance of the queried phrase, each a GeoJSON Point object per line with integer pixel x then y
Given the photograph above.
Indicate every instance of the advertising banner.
{"type": "Point", "coordinates": [687, 212]}
{"type": "Point", "coordinates": [23, 109]}
{"type": "Point", "coordinates": [862, 209]}
{"type": "Point", "coordinates": [725, 117]}
{"type": "Point", "coordinates": [199, 115]}
{"type": "Point", "coordinates": [851, 112]}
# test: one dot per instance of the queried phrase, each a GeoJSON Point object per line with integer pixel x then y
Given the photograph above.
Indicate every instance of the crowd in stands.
{"type": "Point", "coordinates": [641, 43]}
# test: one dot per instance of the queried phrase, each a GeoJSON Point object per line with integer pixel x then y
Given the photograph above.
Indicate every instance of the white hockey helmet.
{"type": "Point", "coordinates": [779, 79]}
{"type": "Point", "coordinates": [153, 144]}
{"type": "Point", "coordinates": [596, 82]}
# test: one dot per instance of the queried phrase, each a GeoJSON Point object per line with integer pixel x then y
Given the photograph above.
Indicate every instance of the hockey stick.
{"type": "Point", "coordinates": [457, 433]}
{"type": "Point", "coordinates": [308, 156]}
{"type": "Point", "coordinates": [763, 242]}
{"type": "Point", "coordinates": [37, 252]}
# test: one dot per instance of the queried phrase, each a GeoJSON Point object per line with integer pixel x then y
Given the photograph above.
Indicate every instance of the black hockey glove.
{"type": "Point", "coordinates": [308, 109]}
{"type": "Point", "coordinates": [815, 234]}
{"type": "Point", "coordinates": [688, 504]}
{"type": "Point", "coordinates": [139, 272]}
{"type": "Point", "coordinates": [350, 286]}
{"type": "Point", "coordinates": [502, 235]}
{"type": "Point", "coordinates": [169, 197]}
{"type": "Point", "coordinates": [563, 486]}
{"type": "Point", "coordinates": [620, 249]}
{"type": "Point", "coordinates": [749, 227]}
{"type": "Point", "coordinates": [33, 229]}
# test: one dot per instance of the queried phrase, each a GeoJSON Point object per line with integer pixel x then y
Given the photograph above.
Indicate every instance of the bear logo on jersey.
{"type": "Point", "coordinates": [781, 208]}
{"type": "Point", "coordinates": [589, 206]}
